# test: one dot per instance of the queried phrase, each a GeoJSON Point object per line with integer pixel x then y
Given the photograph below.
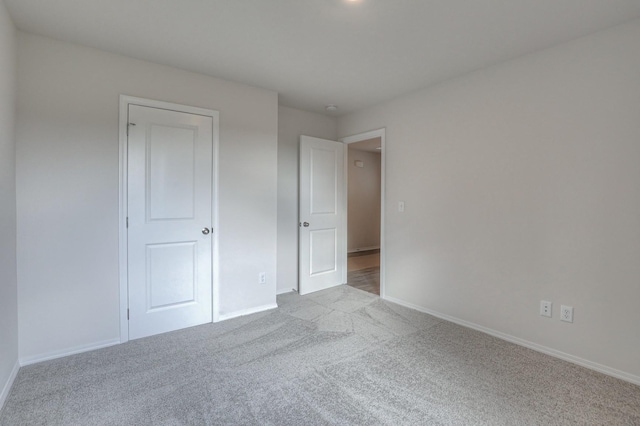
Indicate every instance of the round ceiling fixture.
{"type": "Point", "coordinates": [331, 108]}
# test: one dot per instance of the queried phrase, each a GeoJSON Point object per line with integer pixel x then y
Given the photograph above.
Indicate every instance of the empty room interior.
{"type": "Point", "coordinates": [319, 212]}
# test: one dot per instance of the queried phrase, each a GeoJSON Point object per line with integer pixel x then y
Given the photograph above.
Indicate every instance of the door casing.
{"type": "Point", "coordinates": [125, 101]}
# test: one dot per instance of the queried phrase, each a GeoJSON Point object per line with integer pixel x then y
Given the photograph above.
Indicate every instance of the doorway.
{"type": "Point", "coordinates": [168, 227]}
{"type": "Point", "coordinates": [365, 200]}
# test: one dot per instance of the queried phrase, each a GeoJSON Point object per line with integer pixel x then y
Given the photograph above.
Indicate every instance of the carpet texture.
{"type": "Point", "coordinates": [337, 357]}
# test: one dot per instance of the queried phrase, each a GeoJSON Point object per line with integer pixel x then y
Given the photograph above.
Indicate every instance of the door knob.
{"type": "Point", "coordinates": [205, 231]}
{"type": "Point", "coordinates": [305, 224]}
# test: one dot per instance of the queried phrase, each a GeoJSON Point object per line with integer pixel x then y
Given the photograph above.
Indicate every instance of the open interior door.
{"type": "Point", "coordinates": [322, 213]}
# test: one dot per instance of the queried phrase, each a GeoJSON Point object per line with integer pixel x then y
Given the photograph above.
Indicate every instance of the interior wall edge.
{"type": "Point", "coordinates": [9, 384]}
{"type": "Point", "coordinates": [48, 356]}
{"type": "Point", "coordinates": [249, 311]}
{"type": "Point", "coordinates": [9, 344]}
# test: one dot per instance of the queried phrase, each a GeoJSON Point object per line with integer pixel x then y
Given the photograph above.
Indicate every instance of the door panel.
{"type": "Point", "coordinates": [321, 214]}
{"type": "Point", "coordinates": [171, 181]}
{"type": "Point", "coordinates": [324, 192]}
{"type": "Point", "coordinates": [171, 274]}
{"type": "Point", "coordinates": [170, 166]}
{"type": "Point", "coordinates": [323, 244]}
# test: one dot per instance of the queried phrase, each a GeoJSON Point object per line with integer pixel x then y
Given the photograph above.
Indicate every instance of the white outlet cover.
{"type": "Point", "coordinates": [566, 313]}
{"type": "Point", "coordinates": [546, 308]}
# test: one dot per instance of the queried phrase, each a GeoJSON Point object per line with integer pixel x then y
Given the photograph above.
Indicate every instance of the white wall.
{"type": "Point", "coordinates": [8, 280]}
{"type": "Point", "coordinates": [521, 183]}
{"type": "Point", "coordinates": [67, 184]}
{"type": "Point", "coordinates": [364, 200]}
{"type": "Point", "coordinates": [292, 123]}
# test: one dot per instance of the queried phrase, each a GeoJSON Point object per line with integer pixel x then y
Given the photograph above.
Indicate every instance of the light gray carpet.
{"type": "Point", "coordinates": [341, 356]}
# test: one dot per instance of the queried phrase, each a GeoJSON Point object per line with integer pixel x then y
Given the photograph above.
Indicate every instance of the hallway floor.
{"type": "Point", "coordinates": [363, 271]}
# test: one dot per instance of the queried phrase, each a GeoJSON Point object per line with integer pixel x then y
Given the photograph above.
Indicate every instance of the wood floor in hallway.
{"type": "Point", "coordinates": [364, 271]}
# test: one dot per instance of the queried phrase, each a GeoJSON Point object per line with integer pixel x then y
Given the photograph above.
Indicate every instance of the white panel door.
{"type": "Point", "coordinates": [170, 166]}
{"type": "Point", "coordinates": [322, 211]}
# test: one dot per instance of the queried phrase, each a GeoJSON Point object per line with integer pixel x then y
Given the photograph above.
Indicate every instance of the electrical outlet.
{"type": "Point", "coordinates": [262, 278]}
{"type": "Point", "coordinates": [566, 313]}
{"type": "Point", "coordinates": [545, 308]}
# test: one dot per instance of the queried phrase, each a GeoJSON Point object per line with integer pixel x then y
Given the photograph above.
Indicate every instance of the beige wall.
{"type": "Point", "coordinates": [363, 200]}
{"type": "Point", "coordinates": [292, 123]}
{"type": "Point", "coordinates": [521, 183]}
{"type": "Point", "coordinates": [8, 280]}
{"type": "Point", "coordinates": [67, 185]}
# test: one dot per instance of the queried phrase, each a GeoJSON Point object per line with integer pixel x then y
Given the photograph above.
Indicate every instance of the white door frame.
{"type": "Point", "coordinates": [379, 133]}
{"type": "Point", "coordinates": [125, 101]}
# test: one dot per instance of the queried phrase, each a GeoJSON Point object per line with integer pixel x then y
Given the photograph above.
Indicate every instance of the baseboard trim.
{"type": "Point", "coordinates": [249, 311]}
{"type": "Point", "coordinates": [66, 352]}
{"type": "Point", "coordinates": [357, 250]}
{"type": "Point", "coordinates": [7, 386]}
{"type": "Point", "coordinates": [285, 291]}
{"type": "Point", "coordinates": [632, 378]}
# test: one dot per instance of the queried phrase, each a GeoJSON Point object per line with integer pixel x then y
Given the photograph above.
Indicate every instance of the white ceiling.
{"type": "Point", "coordinates": [319, 52]}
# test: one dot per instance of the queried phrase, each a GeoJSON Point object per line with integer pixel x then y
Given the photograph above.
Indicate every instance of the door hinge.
{"type": "Point", "coordinates": [127, 314]}
{"type": "Point", "coordinates": [127, 221]}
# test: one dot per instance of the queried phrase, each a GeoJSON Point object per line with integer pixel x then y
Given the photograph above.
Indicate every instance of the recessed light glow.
{"type": "Point", "coordinates": [331, 108]}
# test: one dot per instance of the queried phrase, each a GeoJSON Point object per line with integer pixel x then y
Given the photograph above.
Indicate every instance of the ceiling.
{"type": "Point", "coordinates": [319, 52]}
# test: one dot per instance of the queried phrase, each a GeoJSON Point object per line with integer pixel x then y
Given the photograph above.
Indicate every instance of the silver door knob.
{"type": "Point", "coordinates": [305, 224]}
{"type": "Point", "coordinates": [205, 231]}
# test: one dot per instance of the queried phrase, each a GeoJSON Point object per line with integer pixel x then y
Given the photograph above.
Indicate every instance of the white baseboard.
{"type": "Point", "coordinates": [249, 311]}
{"type": "Point", "coordinates": [356, 250]}
{"type": "Point", "coordinates": [632, 378]}
{"type": "Point", "coordinates": [284, 291]}
{"type": "Point", "coordinates": [7, 386]}
{"type": "Point", "coordinates": [66, 352]}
